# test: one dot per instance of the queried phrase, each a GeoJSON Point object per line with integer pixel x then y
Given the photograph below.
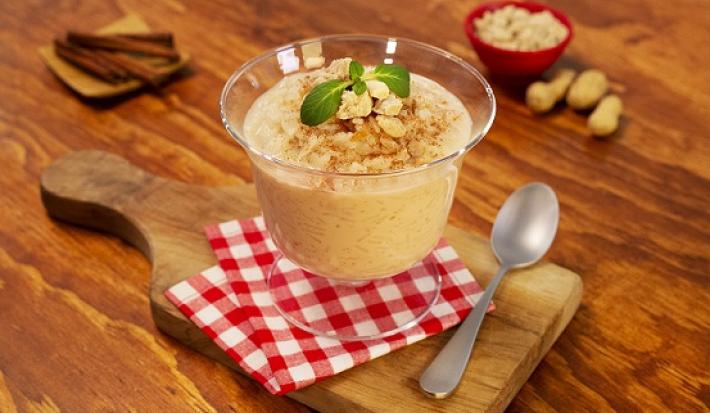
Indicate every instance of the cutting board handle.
{"type": "Point", "coordinates": [96, 189]}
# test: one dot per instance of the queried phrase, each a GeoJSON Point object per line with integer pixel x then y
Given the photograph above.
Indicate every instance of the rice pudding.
{"type": "Point", "coordinates": [366, 207]}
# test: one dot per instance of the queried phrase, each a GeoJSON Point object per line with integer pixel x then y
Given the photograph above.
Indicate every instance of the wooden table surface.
{"type": "Point", "coordinates": [75, 328]}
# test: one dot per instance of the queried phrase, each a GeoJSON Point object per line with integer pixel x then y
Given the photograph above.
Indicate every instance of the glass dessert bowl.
{"type": "Point", "coordinates": [348, 206]}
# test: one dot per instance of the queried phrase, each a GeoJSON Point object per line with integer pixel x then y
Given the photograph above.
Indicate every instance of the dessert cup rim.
{"type": "Point", "coordinates": [355, 37]}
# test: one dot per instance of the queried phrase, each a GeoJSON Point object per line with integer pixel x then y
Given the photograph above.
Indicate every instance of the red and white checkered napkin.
{"type": "Point", "coordinates": [232, 305]}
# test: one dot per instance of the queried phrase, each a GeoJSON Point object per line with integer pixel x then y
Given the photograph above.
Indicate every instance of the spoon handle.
{"type": "Point", "coordinates": [443, 375]}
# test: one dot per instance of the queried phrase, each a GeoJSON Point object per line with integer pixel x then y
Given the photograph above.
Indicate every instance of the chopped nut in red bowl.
{"type": "Point", "coordinates": [518, 38]}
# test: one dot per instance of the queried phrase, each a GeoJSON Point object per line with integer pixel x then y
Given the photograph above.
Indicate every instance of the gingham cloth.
{"type": "Point", "coordinates": [231, 304]}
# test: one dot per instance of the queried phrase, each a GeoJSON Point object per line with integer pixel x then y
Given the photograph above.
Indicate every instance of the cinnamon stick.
{"type": "Point", "coordinates": [122, 43]}
{"type": "Point", "coordinates": [86, 60]}
{"type": "Point", "coordinates": [91, 53]}
{"type": "Point", "coordinates": [133, 66]}
{"type": "Point", "coordinates": [164, 38]}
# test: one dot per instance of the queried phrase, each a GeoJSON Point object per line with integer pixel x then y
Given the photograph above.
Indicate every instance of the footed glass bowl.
{"type": "Point", "coordinates": [344, 230]}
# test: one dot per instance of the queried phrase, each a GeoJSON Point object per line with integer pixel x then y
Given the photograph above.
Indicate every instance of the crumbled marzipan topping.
{"type": "Point", "coordinates": [354, 106]}
{"type": "Point", "coordinates": [368, 134]}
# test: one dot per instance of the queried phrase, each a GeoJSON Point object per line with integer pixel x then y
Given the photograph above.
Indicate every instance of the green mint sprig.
{"type": "Point", "coordinates": [323, 100]}
{"type": "Point", "coordinates": [356, 71]}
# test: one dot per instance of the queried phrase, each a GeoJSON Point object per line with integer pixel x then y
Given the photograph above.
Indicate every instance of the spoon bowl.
{"type": "Point", "coordinates": [526, 225]}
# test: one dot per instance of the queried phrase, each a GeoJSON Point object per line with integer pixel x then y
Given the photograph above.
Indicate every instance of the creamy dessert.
{"type": "Point", "coordinates": [349, 198]}
{"type": "Point", "coordinates": [371, 133]}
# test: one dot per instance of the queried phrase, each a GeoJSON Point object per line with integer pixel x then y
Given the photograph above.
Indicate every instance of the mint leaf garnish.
{"type": "Point", "coordinates": [359, 87]}
{"type": "Point", "coordinates": [322, 102]}
{"type": "Point", "coordinates": [355, 70]}
{"type": "Point", "coordinates": [395, 77]}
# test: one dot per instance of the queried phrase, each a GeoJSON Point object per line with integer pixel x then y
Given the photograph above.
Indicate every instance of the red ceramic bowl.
{"type": "Point", "coordinates": [513, 62]}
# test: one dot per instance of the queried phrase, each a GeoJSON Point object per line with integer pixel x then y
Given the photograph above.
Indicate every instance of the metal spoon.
{"type": "Point", "coordinates": [522, 233]}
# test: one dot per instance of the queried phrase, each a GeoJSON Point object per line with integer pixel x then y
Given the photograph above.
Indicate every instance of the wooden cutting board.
{"type": "Point", "coordinates": [164, 219]}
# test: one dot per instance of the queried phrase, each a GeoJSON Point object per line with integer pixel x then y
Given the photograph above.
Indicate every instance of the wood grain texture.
{"type": "Point", "coordinates": [635, 221]}
{"type": "Point", "coordinates": [103, 191]}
